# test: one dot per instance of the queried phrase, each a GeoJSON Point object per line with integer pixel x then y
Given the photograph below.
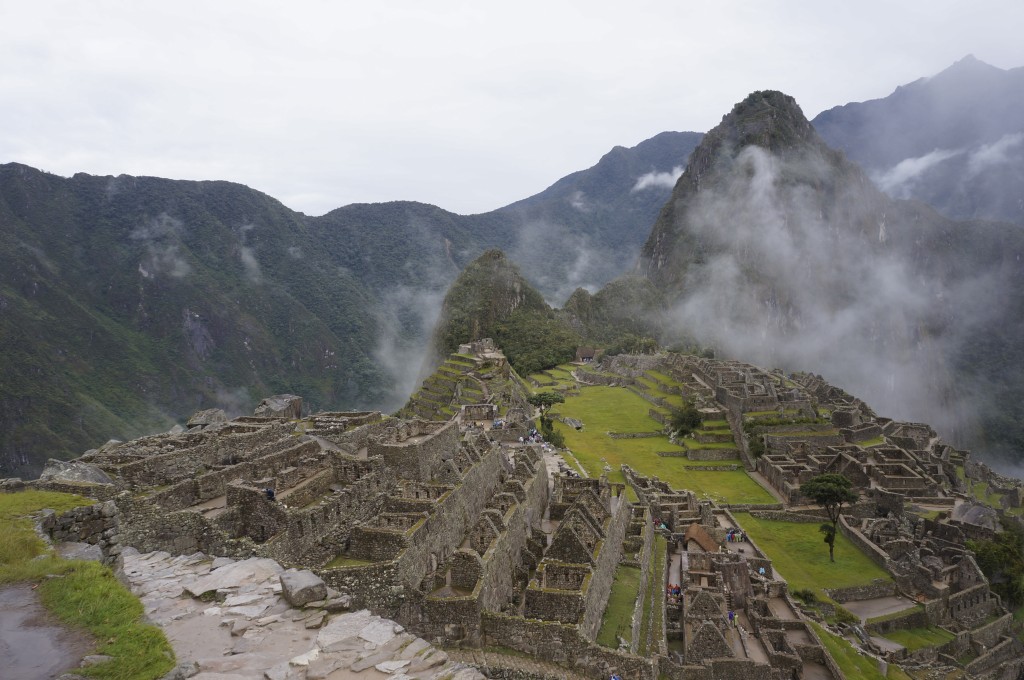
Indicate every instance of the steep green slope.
{"type": "Point", "coordinates": [491, 299]}
{"type": "Point", "coordinates": [128, 303]}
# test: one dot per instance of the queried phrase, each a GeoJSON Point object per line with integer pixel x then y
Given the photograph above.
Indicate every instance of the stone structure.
{"type": "Point", "coordinates": [443, 520]}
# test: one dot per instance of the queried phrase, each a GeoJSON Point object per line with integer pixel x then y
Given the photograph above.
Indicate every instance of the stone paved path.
{"type": "Point", "coordinates": [227, 620]}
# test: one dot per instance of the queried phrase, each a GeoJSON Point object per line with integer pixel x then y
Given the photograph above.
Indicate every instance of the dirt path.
{"type": "Point", "coordinates": [33, 645]}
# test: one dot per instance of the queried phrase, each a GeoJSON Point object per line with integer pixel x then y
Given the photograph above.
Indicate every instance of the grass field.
{"type": "Point", "coordinates": [918, 638]}
{"type": "Point", "coordinates": [853, 663]}
{"type": "Point", "coordinates": [604, 409]}
{"type": "Point", "coordinates": [618, 615]}
{"type": "Point", "coordinates": [83, 595]}
{"type": "Point", "coordinates": [800, 554]}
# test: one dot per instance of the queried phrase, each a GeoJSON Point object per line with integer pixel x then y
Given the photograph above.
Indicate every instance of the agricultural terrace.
{"type": "Point", "coordinates": [800, 555]}
{"type": "Point", "coordinates": [616, 409]}
{"type": "Point", "coordinates": [557, 379]}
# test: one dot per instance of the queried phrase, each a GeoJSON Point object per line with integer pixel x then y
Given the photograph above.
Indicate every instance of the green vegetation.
{"type": "Point", "coordinates": [545, 400]}
{"type": "Point", "coordinates": [618, 615]}
{"type": "Point", "coordinates": [830, 491]}
{"type": "Point", "coordinates": [650, 623]}
{"type": "Point", "coordinates": [795, 550]}
{"type": "Point", "coordinates": [852, 662]}
{"type": "Point", "coordinates": [892, 616]}
{"type": "Point", "coordinates": [918, 638]}
{"type": "Point", "coordinates": [1002, 561]}
{"type": "Point", "coordinates": [615, 409]}
{"type": "Point", "coordinates": [83, 595]}
{"type": "Point", "coordinates": [871, 442]}
{"type": "Point", "coordinates": [685, 420]}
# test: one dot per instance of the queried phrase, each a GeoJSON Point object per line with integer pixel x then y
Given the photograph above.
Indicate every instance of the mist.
{"type": "Point", "coordinates": [786, 278]}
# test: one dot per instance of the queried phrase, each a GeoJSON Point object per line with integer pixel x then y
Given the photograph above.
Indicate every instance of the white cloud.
{"type": "Point", "coordinates": [466, 106]}
{"type": "Point", "coordinates": [995, 153]}
{"type": "Point", "coordinates": [665, 180]}
{"type": "Point", "coordinates": [898, 179]}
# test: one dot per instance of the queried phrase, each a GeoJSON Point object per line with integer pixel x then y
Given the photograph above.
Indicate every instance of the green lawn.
{"type": "Point", "coordinates": [852, 662]}
{"type": "Point", "coordinates": [918, 638]}
{"type": "Point", "coordinates": [800, 554]}
{"type": "Point", "coordinates": [664, 378]}
{"type": "Point", "coordinates": [83, 595]}
{"type": "Point", "coordinates": [618, 615]}
{"type": "Point", "coordinates": [615, 409]}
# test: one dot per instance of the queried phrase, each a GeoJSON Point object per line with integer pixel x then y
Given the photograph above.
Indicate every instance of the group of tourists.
{"type": "Point", "coordinates": [735, 536]}
{"type": "Point", "coordinates": [658, 524]}
{"type": "Point", "coordinates": [673, 591]}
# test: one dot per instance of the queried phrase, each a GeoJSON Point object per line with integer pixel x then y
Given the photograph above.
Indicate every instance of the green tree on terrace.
{"type": "Point", "coordinates": [830, 491]}
{"type": "Point", "coordinates": [685, 420]}
{"type": "Point", "coordinates": [545, 400]}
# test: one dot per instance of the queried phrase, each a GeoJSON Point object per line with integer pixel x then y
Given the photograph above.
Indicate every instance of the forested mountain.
{"type": "Point", "coordinates": [954, 140]}
{"type": "Point", "coordinates": [130, 302]}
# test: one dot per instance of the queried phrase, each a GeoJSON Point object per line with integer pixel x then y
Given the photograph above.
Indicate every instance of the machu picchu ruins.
{"type": "Point", "coordinates": [456, 520]}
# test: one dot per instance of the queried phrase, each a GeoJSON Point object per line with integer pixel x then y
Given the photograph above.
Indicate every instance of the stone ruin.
{"type": "Point", "coordinates": [459, 532]}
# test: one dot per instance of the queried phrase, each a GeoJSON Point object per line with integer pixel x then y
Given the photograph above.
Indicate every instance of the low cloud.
{"type": "Point", "coordinates": [996, 153]}
{"type": "Point", "coordinates": [660, 180]}
{"type": "Point", "coordinates": [161, 238]}
{"type": "Point", "coordinates": [248, 256]}
{"type": "Point", "coordinates": [780, 285]}
{"type": "Point", "coordinates": [899, 179]}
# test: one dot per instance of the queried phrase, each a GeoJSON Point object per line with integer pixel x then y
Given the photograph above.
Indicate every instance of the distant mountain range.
{"type": "Point", "coordinates": [128, 303]}
{"type": "Point", "coordinates": [954, 140]}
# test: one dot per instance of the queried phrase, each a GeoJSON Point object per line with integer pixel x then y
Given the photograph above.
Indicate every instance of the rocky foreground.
{"type": "Point", "coordinates": [230, 620]}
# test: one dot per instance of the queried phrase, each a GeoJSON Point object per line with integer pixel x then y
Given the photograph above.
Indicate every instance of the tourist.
{"type": "Point", "coordinates": [269, 493]}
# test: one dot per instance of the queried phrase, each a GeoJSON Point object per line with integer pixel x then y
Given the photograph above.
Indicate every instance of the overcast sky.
{"type": "Point", "coordinates": [467, 105]}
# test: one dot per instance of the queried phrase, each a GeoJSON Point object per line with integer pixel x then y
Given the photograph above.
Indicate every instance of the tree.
{"type": "Point", "coordinates": [685, 420]}
{"type": "Point", "coordinates": [830, 491]}
{"type": "Point", "coordinates": [545, 400]}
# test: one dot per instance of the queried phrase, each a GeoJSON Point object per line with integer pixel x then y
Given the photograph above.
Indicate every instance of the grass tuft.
{"type": "Point", "coordinates": [83, 595]}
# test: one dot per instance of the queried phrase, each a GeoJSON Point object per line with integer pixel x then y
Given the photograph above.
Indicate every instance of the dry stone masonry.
{"type": "Point", "coordinates": [471, 538]}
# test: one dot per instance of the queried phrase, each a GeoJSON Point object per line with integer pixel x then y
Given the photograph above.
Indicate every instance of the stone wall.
{"type": "Point", "coordinates": [563, 644]}
{"type": "Point", "coordinates": [916, 618]}
{"type": "Point", "coordinates": [877, 555]}
{"type": "Point", "coordinates": [415, 449]}
{"type": "Point", "coordinates": [93, 524]}
{"type": "Point", "coordinates": [877, 588]}
{"type": "Point", "coordinates": [712, 454]}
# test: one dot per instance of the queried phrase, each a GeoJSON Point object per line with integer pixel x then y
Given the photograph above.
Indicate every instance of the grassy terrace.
{"type": "Point", "coordinates": [801, 556]}
{"type": "Point", "coordinates": [83, 595]}
{"type": "Point", "coordinates": [618, 615]}
{"type": "Point", "coordinates": [651, 621]}
{"type": "Point", "coordinates": [852, 662]}
{"type": "Point", "coordinates": [604, 409]}
{"type": "Point", "coordinates": [918, 638]}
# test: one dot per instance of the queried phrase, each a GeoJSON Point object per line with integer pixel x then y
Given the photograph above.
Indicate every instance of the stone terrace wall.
{"type": "Point", "coordinates": [168, 468]}
{"type": "Point", "coordinates": [443, 532]}
{"type": "Point", "coordinates": [416, 459]}
{"type": "Point", "coordinates": [565, 645]}
{"type": "Point", "coordinates": [877, 555]}
{"type": "Point", "coordinates": [496, 582]}
{"type": "Point", "coordinates": [93, 524]}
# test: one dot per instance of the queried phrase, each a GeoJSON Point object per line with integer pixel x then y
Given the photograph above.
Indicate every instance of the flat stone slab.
{"type": "Point", "coordinates": [233, 641]}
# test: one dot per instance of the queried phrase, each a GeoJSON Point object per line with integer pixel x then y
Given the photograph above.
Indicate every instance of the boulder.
{"type": "Point", "coordinates": [302, 587]}
{"type": "Point", "coordinates": [59, 471]}
{"type": "Point", "coordinates": [211, 416]}
{"type": "Point", "coordinates": [280, 406]}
